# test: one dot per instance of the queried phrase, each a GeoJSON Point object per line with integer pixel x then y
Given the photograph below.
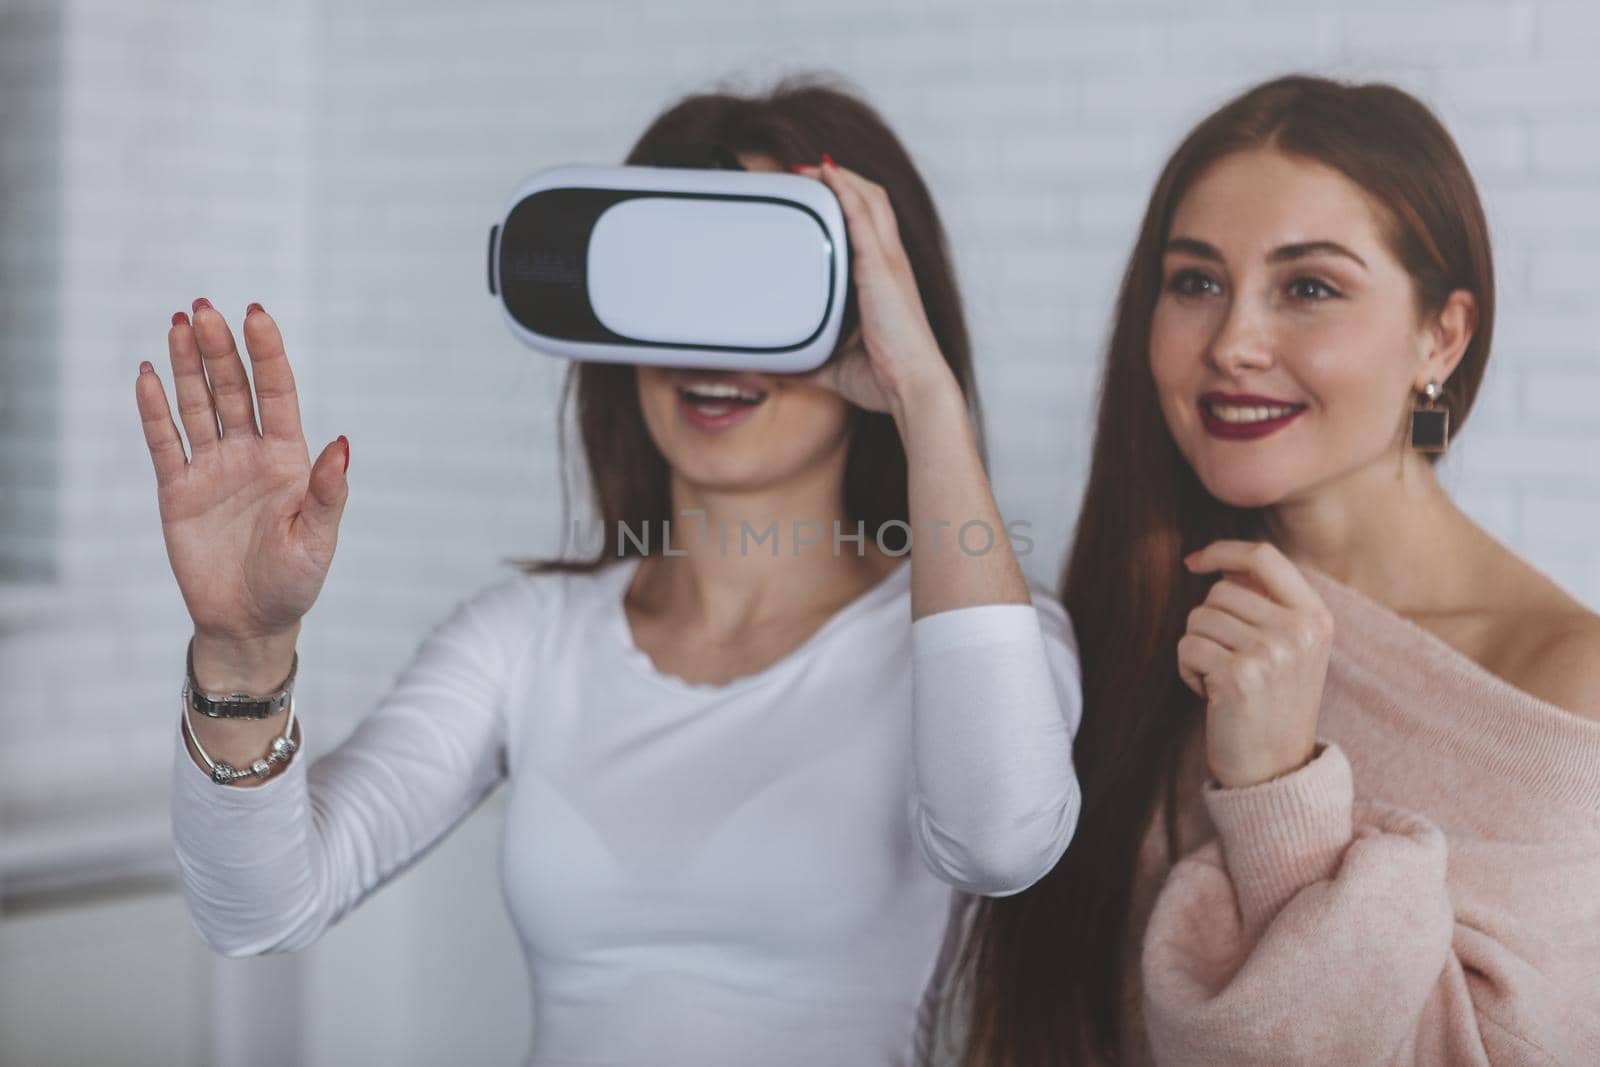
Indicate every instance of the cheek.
{"type": "Point", "coordinates": [1179, 334]}
{"type": "Point", "coordinates": [1178, 338]}
{"type": "Point", "coordinates": [1167, 345]}
{"type": "Point", "coordinates": [1356, 368]}
{"type": "Point", "coordinates": [658, 400]}
{"type": "Point", "coordinates": [806, 424]}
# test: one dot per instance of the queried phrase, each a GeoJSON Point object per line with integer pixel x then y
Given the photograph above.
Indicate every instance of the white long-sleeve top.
{"type": "Point", "coordinates": [759, 872]}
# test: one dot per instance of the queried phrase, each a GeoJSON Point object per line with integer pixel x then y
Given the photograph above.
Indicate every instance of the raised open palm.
{"type": "Point", "coordinates": [250, 522]}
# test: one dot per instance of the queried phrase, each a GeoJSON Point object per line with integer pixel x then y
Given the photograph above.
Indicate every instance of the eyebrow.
{"type": "Point", "coordinates": [1281, 254]}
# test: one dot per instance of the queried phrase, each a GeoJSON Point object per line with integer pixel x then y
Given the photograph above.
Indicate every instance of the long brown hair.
{"type": "Point", "coordinates": [795, 122]}
{"type": "Point", "coordinates": [1044, 968]}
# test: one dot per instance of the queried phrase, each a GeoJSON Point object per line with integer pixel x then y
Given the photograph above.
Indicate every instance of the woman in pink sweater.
{"type": "Point", "coordinates": [1340, 750]}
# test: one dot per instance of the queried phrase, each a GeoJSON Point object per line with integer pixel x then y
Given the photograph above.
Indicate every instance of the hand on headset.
{"type": "Point", "coordinates": [892, 359]}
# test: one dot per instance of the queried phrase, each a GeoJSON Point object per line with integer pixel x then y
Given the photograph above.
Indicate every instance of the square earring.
{"type": "Point", "coordinates": [1430, 424]}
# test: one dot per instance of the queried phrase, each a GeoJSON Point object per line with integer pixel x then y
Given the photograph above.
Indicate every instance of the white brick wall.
{"type": "Point", "coordinates": [341, 162]}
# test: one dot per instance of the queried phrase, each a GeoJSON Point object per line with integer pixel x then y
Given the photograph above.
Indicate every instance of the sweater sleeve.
{"type": "Point", "coordinates": [270, 868]}
{"type": "Point", "coordinates": [1316, 930]}
{"type": "Point", "coordinates": [997, 698]}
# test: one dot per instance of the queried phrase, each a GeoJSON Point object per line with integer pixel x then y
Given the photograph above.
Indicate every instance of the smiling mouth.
{"type": "Point", "coordinates": [1244, 416]}
{"type": "Point", "coordinates": [719, 398]}
{"type": "Point", "coordinates": [1248, 413]}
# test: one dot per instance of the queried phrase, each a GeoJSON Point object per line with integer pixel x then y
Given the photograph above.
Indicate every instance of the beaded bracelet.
{"type": "Point", "coordinates": [223, 773]}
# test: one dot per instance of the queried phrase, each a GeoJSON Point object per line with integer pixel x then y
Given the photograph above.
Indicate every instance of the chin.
{"type": "Point", "coordinates": [724, 466]}
{"type": "Point", "coordinates": [721, 473]}
{"type": "Point", "coordinates": [1246, 489]}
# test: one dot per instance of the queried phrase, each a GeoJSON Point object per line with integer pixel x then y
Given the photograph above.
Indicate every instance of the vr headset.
{"type": "Point", "coordinates": [695, 265]}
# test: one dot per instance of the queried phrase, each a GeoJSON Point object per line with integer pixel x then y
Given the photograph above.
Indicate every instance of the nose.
{"type": "Point", "coordinates": [1243, 341]}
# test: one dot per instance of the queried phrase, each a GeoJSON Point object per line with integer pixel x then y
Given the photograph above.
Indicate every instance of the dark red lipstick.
{"type": "Point", "coordinates": [1257, 423]}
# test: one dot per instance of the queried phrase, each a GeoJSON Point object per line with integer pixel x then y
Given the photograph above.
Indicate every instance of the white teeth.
{"type": "Point", "coordinates": [712, 391]}
{"type": "Point", "coordinates": [1237, 413]}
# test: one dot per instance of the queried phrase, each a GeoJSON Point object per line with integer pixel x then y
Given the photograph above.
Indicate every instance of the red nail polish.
{"type": "Point", "coordinates": [827, 160]}
{"type": "Point", "coordinates": [179, 319]}
{"type": "Point", "coordinates": [201, 302]}
{"type": "Point", "coordinates": [345, 441]}
{"type": "Point", "coordinates": [253, 307]}
{"type": "Point", "coordinates": [145, 367]}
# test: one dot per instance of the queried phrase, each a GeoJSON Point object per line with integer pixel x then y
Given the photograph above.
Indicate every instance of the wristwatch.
{"type": "Point", "coordinates": [236, 705]}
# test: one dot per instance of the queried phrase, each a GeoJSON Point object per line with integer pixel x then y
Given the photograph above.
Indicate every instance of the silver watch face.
{"type": "Point", "coordinates": [238, 709]}
{"type": "Point", "coordinates": [236, 706]}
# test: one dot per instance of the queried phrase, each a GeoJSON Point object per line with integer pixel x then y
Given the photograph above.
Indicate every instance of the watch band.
{"type": "Point", "coordinates": [236, 705]}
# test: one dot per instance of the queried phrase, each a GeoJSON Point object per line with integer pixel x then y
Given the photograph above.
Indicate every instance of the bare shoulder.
{"type": "Point", "coordinates": [1556, 643]}
{"type": "Point", "coordinates": [1565, 668]}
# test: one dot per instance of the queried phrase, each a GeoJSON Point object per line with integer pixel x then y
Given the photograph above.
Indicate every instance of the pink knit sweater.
{"type": "Point", "coordinates": [1425, 891]}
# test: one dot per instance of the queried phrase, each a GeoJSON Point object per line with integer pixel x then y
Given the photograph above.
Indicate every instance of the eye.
{"type": "Point", "coordinates": [1312, 290]}
{"type": "Point", "coordinates": [1191, 282]}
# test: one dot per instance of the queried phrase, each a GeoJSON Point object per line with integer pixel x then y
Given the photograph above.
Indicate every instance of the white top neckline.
{"type": "Point", "coordinates": [894, 583]}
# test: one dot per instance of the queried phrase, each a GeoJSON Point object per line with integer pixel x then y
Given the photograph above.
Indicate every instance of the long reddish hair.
{"type": "Point", "coordinates": [1043, 971]}
{"type": "Point", "coordinates": [794, 122]}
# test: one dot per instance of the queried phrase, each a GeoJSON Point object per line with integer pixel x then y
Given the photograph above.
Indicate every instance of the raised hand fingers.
{"type": "Point", "coordinates": [275, 392]}
{"type": "Point", "coordinates": [230, 387]}
{"type": "Point", "coordinates": [189, 381]}
{"type": "Point", "coordinates": [160, 432]}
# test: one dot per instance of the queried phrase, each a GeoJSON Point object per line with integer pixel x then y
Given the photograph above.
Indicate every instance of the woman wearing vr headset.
{"type": "Point", "coordinates": [1340, 748]}
{"type": "Point", "coordinates": [748, 783]}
